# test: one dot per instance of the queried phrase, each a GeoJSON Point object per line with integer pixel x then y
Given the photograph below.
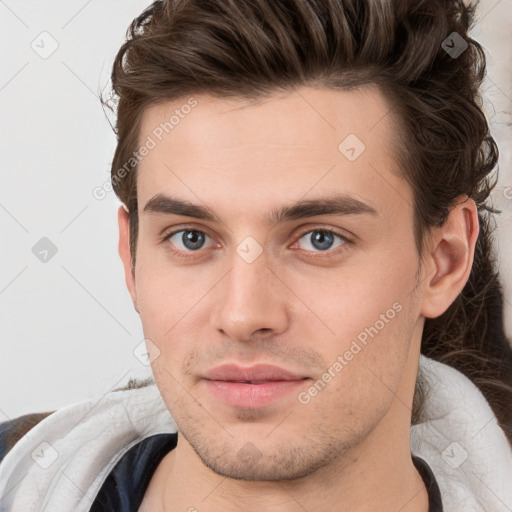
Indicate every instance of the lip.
{"type": "Point", "coordinates": [258, 372]}
{"type": "Point", "coordinates": [268, 384]}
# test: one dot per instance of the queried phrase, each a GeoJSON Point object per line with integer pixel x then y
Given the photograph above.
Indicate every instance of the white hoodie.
{"type": "Point", "coordinates": [61, 464]}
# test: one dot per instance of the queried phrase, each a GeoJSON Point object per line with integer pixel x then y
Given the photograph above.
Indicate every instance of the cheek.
{"type": "Point", "coordinates": [166, 292]}
{"type": "Point", "coordinates": [354, 296]}
{"type": "Point", "coordinates": [366, 312]}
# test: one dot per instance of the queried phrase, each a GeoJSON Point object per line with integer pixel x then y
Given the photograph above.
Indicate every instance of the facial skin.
{"type": "Point", "coordinates": [299, 305]}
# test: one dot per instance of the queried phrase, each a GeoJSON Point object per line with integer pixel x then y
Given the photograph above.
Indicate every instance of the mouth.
{"type": "Point", "coordinates": [259, 373]}
{"type": "Point", "coordinates": [252, 387]}
{"type": "Point", "coordinates": [253, 394]}
{"type": "Point", "coordinates": [252, 381]}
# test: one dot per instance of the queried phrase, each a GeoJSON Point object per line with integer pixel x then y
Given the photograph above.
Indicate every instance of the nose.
{"type": "Point", "coordinates": [250, 301]}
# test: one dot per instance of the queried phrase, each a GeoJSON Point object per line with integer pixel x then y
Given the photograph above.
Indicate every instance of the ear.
{"type": "Point", "coordinates": [452, 249]}
{"type": "Point", "coordinates": [124, 252]}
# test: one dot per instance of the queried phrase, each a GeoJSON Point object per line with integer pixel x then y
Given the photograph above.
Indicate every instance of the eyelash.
{"type": "Point", "coordinates": [318, 254]}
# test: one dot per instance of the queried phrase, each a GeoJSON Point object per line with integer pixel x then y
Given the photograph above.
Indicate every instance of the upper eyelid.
{"type": "Point", "coordinates": [167, 234]}
{"type": "Point", "coordinates": [335, 231]}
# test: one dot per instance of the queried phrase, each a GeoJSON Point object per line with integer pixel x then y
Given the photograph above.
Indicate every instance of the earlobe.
{"type": "Point", "coordinates": [124, 252]}
{"type": "Point", "coordinates": [451, 258]}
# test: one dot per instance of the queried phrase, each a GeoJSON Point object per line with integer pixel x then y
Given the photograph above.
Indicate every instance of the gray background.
{"type": "Point", "coordinates": [68, 329]}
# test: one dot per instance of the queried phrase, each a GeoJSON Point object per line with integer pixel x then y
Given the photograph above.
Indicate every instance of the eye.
{"type": "Point", "coordinates": [322, 240]}
{"type": "Point", "coordinates": [187, 240]}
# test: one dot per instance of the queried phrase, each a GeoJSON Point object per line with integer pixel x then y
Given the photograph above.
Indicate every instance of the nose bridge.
{"type": "Point", "coordinates": [249, 299]}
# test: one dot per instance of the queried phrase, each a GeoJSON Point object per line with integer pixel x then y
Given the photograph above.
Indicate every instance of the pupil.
{"type": "Point", "coordinates": [321, 237]}
{"type": "Point", "coordinates": [192, 239]}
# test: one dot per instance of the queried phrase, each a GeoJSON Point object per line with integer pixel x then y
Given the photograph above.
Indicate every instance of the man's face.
{"type": "Point", "coordinates": [247, 288]}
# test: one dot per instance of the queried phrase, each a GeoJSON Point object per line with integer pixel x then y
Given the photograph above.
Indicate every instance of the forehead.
{"type": "Point", "coordinates": [297, 117]}
{"type": "Point", "coordinates": [304, 141]}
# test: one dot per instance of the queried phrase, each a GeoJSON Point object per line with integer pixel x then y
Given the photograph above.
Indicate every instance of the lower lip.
{"type": "Point", "coordinates": [252, 396]}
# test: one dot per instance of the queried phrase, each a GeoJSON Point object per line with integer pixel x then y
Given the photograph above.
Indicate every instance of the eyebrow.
{"type": "Point", "coordinates": [339, 204]}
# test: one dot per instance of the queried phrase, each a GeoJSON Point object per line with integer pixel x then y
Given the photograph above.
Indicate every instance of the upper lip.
{"type": "Point", "coordinates": [259, 372]}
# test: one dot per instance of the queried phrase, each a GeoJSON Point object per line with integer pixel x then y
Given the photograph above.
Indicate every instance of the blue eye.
{"type": "Point", "coordinates": [322, 239]}
{"type": "Point", "coordinates": [191, 239]}
{"type": "Point", "coordinates": [184, 242]}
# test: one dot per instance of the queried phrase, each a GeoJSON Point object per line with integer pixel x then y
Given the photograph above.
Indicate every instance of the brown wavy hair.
{"type": "Point", "coordinates": [253, 48]}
